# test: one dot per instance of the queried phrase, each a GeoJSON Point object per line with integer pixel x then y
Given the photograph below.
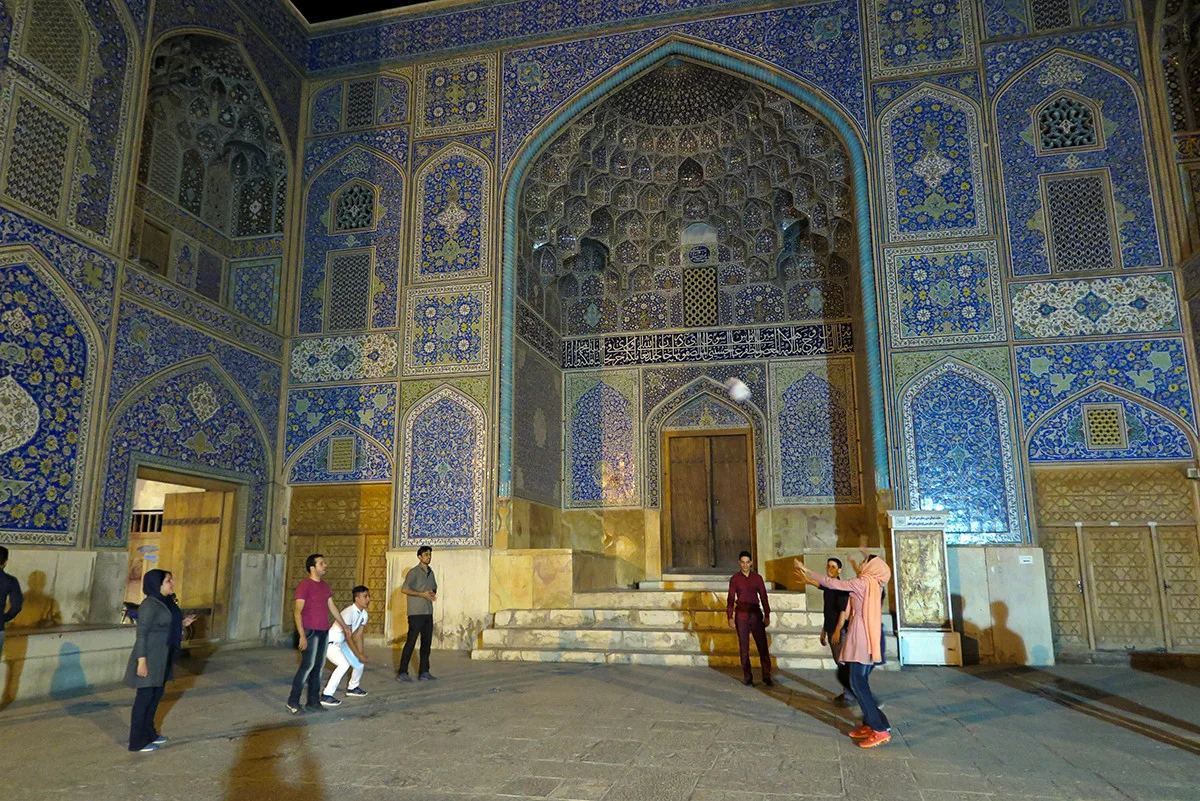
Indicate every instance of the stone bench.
{"type": "Point", "coordinates": [62, 661]}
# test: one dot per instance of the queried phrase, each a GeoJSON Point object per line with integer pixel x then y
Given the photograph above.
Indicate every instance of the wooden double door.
{"type": "Point", "coordinates": [1124, 587]}
{"type": "Point", "coordinates": [709, 500]}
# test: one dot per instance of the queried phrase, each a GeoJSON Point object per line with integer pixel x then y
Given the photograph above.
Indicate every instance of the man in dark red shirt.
{"type": "Point", "coordinates": [745, 615]}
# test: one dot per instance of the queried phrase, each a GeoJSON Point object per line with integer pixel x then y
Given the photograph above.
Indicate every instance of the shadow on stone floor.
{"type": "Point", "coordinates": [1098, 704]}
{"type": "Point", "coordinates": [276, 763]}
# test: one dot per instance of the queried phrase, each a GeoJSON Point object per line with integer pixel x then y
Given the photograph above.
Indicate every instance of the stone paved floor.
{"type": "Point", "coordinates": [493, 731]}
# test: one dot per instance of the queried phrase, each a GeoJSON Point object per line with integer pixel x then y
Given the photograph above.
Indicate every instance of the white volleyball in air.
{"type": "Point", "coordinates": [738, 390]}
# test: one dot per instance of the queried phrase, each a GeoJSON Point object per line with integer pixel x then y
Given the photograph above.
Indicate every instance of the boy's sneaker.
{"type": "Point", "coordinates": [426, 677]}
{"type": "Point", "coordinates": [159, 740]}
{"type": "Point", "coordinates": [329, 700]}
{"type": "Point", "coordinates": [861, 733]}
{"type": "Point", "coordinates": [357, 692]}
{"type": "Point", "coordinates": [148, 748]}
{"type": "Point", "coordinates": [402, 676]}
{"type": "Point", "coordinates": [294, 708]}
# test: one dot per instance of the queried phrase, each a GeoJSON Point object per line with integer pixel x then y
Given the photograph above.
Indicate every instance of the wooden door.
{"type": "Point", "coordinates": [709, 499]}
{"type": "Point", "coordinates": [730, 497]}
{"type": "Point", "coordinates": [1123, 588]}
{"type": "Point", "coordinates": [1179, 557]}
{"type": "Point", "coordinates": [691, 508]}
{"type": "Point", "coordinates": [1064, 579]}
{"type": "Point", "coordinates": [194, 547]}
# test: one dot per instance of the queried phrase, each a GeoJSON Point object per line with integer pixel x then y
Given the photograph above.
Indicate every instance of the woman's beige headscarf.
{"type": "Point", "coordinates": [877, 574]}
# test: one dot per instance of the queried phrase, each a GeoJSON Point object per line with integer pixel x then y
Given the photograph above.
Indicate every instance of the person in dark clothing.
{"type": "Point", "coordinates": [833, 629]}
{"type": "Point", "coordinates": [11, 598]}
{"type": "Point", "coordinates": [420, 585]}
{"type": "Point", "coordinates": [152, 662]}
{"type": "Point", "coordinates": [742, 609]}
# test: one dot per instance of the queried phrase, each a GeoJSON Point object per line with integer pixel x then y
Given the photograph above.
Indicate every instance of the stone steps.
{"type": "Point", "coordinates": [680, 619]}
{"type": "Point", "coordinates": [677, 599]}
{"type": "Point", "coordinates": [647, 658]}
{"type": "Point", "coordinates": [691, 582]}
{"type": "Point", "coordinates": [674, 641]}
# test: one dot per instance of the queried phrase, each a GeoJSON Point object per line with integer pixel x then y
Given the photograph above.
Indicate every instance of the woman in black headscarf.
{"type": "Point", "coordinates": [159, 637]}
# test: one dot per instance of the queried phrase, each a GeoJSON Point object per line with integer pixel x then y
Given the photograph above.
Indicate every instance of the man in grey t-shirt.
{"type": "Point", "coordinates": [421, 588]}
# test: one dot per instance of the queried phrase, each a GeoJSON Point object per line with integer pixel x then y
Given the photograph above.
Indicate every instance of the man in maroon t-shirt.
{"type": "Point", "coordinates": [314, 605]}
{"type": "Point", "coordinates": [745, 590]}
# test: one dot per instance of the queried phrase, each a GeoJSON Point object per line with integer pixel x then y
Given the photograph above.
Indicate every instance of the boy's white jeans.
{"type": "Point", "coordinates": [343, 659]}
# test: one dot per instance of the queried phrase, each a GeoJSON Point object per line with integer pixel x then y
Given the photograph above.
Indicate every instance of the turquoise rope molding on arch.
{"type": "Point", "coordinates": [748, 69]}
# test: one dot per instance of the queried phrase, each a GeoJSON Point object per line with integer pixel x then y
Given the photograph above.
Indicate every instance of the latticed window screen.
{"type": "Point", "coordinates": [349, 291]}
{"type": "Point", "coordinates": [1104, 427]}
{"type": "Point", "coordinates": [1079, 222]}
{"type": "Point", "coordinates": [56, 40]}
{"type": "Point", "coordinates": [360, 104]}
{"type": "Point", "coordinates": [354, 208]}
{"type": "Point", "coordinates": [1067, 123]}
{"type": "Point", "coordinates": [342, 454]}
{"type": "Point", "coordinates": [37, 159]}
{"type": "Point", "coordinates": [208, 275]}
{"type": "Point", "coordinates": [1050, 14]}
{"type": "Point", "coordinates": [700, 296]}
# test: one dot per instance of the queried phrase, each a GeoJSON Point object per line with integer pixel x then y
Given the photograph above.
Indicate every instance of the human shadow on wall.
{"type": "Point", "coordinates": [275, 763]}
{"type": "Point", "coordinates": [41, 609]}
{"type": "Point", "coordinates": [1100, 705]}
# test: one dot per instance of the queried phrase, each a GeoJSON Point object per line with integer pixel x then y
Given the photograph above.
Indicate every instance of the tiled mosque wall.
{"type": "Point", "coordinates": [1005, 265]}
{"type": "Point", "coordinates": [107, 365]}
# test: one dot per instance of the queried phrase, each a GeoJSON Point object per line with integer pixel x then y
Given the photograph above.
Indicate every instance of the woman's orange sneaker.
{"type": "Point", "coordinates": [861, 733]}
{"type": "Point", "coordinates": [876, 738]}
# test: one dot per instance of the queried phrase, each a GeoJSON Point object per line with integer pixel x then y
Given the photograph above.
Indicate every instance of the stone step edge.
{"type": "Point", "coordinates": [726, 659]}
{"type": "Point", "coordinates": [815, 631]}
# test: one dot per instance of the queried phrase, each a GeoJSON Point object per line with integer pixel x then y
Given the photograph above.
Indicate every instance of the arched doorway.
{"type": "Point", "coordinates": [691, 223]}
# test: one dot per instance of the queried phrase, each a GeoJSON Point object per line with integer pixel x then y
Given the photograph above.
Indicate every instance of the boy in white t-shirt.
{"type": "Point", "coordinates": [348, 653]}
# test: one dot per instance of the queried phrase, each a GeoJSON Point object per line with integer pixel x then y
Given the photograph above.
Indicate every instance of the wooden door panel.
{"type": "Point", "coordinates": [190, 545]}
{"type": "Point", "coordinates": [1180, 553]}
{"type": "Point", "coordinates": [691, 535]}
{"type": "Point", "coordinates": [1068, 616]}
{"type": "Point", "coordinates": [1124, 590]}
{"type": "Point", "coordinates": [731, 497]}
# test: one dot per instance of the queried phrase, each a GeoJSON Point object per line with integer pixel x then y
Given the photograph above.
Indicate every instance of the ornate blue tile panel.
{"type": "Point", "coordinates": [445, 460]}
{"type": "Point", "coordinates": [368, 407]}
{"type": "Point", "coordinates": [603, 432]}
{"type": "Point", "coordinates": [330, 360]}
{"type": "Point", "coordinates": [1135, 304]}
{"type": "Point", "coordinates": [537, 428]}
{"type": "Point", "coordinates": [48, 368]}
{"type": "Point", "coordinates": [944, 293]}
{"type": "Point", "coordinates": [933, 166]}
{"type": "Point", "coordinates": [1155, 369]}
{"type": "Point", "coordinates": [389, 142]}
{"type": "Point", "coordinates": [391, 100]}
{"type": "Point", "coordinates": [913, 36]}
{"type": "Point", "coordinates": [814, 451]}
{"type": "Point", "coordinates": [817, 42]}
{"type": "Point", "coordinates": [1036, 160]}
{"type": "Point", "coordinates": [453, 212]}
{"type": "Point", "coordinates": [254, 289]}
{"type": "Point", "coordinates": [91, 274]}
{"type": "Point", "coordinates": [1147, 434]}
{"type": "Point", "coordinates": [705, 412]}
{"type": "Point", "coordinates": [313, 465]}
{"type": "Point", "coordinates": [959, 455]}
{"type": "Point", "coordinates": [325, 113]}
{"type": "Point", "coordinates": [73, 135]}
{"type": "Point", "coordinates": [160, 293]}
{"type": "Point", "coordinates": [384, 234]}
{"type": "Point", "coordinates": [449, 329]}
{"type": "Point", "coordinates": [456, 95]}
{"type": "Point", "coordinates": [1115, 46]}
{"type": "Point", "coordinates": [148, 343]}
{"type": "Point", "coordinates": [188, 419]}
{"type": "Point", "coordinates": [425, 149]}
{"type": "Point", "coordinates": [666, 390]}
